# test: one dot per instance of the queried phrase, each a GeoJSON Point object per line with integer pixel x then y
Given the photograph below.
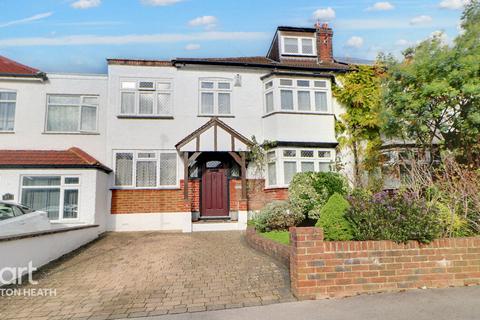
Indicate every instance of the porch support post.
{"type": "Point", "coordinates": [185, 177]}
{"type": "Point", "coordinates": [244, 175]}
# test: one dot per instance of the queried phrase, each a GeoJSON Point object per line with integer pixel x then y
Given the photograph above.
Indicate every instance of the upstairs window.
{"type": "Point", "coordinates": [215, 97]}
{"type": "Point", "coordinates": [72, 113]}
{"type": "Point", "coordinates": [298, 46]}
{"type": "Point", "coordinates": [8, 101]}
{"type": "Point", "coordinates": [145, 98]}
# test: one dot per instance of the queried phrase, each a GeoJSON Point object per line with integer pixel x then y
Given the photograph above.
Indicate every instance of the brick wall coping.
{"type": "Point", "coordinates": [278, 251]}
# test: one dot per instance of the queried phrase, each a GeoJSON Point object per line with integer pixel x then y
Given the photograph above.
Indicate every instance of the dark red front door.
{"type": "Point", "coordinates": [214, 193]}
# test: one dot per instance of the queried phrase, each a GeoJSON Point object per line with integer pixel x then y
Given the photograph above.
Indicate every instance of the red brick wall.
{"type": "Point", "coordinates": [258, 196]}
{"type": "Point", "coordinates": [320, 269]}
{"type": "Point", "coordinates": [278, 251]}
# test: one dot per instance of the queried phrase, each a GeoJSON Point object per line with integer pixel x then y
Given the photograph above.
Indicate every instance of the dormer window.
{"type": "Point", "coordinates": [298, 46]}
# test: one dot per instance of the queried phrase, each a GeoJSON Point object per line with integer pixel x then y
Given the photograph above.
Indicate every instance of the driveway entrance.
{"type": "Point", "coordinates": [141, 274]}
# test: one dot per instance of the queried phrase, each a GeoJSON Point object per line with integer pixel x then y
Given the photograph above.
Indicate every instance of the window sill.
{"type": "Point", "coordinates": [7, 132]}
{"type": "Point", "coordinates": [276, 187]}
{"type": "Point", "coordinates": [293, 55]}
{"type": "Point", "coordinates": [144, 117]}
{"type": "Point", "coordinates": [298, 112]}
{"type": "Point", "coordinates": [73, 133]}
{"type": "Point", "coordinates": [216, 115]}
{"type": "Point", "coordinates": [156, 188]}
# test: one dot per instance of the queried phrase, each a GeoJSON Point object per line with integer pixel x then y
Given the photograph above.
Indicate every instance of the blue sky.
{"type": "Point", "coordinates": [78, 35]}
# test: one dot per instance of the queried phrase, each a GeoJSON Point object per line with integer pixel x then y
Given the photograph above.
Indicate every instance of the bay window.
{"type": "Point", "coordinates": [71, 113]}
{"type": "Point", "coordinates": [146, 169]}
{"type": "Point", "coordinates": [8, 101]}
{"type": "Point", "coordinates": [215, 97]}
{"type": "Point", "coordinates": [145, 98]}
{"type": "Point", "coordinates": [57, 195]}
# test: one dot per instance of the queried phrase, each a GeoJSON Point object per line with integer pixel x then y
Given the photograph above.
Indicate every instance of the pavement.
{"type": "Point", "coordinates": [431, 304]}
{"type": "Point", "coordinates": [139, 274]}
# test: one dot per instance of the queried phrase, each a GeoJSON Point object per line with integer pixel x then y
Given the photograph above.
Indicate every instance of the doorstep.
{"type": "Point", "coordinates": [215, 225]}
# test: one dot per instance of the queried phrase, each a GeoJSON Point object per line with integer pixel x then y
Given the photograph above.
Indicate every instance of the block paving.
{"type": "Point", "coordinates": [139, 274]}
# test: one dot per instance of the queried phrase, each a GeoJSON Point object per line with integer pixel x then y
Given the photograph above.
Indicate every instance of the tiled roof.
{"type": "Point", "coordinates": [13, 68]}
{"type": "Point", "coordinates": [71, 158]}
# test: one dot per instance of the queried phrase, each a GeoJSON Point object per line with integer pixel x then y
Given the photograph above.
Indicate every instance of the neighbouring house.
{"type": "Point", "coordinates": [158, 145]}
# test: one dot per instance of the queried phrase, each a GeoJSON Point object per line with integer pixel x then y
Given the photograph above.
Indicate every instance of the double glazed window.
{"type": "Point", "coordinates": [298, 46]}
{"type": "Point", "coordinates": [215, 97]}
{"type": "Point", "coordinates": [283, 164]}
{"type": "Point", "coordinates": [57, 195]}
{"type": "Point", "coordinates": [146, 98]}
{"type": "Point", "coordinates": [146, 169]}
{"type": "Point", "coordinates": [71, 113]}
{"type": "Point", "coordinates": [7, 110]}
{"type": "Point", "coordinates": [292, 95]}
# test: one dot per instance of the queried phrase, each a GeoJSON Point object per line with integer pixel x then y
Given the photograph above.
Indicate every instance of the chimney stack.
{"type": "Point", "coordinates": [324, 36]}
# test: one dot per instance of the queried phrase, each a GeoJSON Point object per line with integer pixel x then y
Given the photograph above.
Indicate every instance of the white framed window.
{"type": "Point", "coordinates": [284, 163]}
{"type": "Point", "coordinates": [71, 113]}
{"type": "Point", "coordinates": [304, 46]}
{"type": "Point", "coordinates": [8, 101]}
{"type": "Point", "coordinates": [297, 95]}
{"type": "Point", "coordinates": [146, 98]}
{"type": "Point", "coordinates": [146, 169]}
{"type": "Point", "coordinates": [215, 97]}
{"type": "Point", "coordinates": [57, 195]}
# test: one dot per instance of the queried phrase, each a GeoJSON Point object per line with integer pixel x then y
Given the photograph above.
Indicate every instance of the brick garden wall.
{"type": "Point", "coordinates": [278, 251]}
{"type": "Point", "coordinates": [320, 269]}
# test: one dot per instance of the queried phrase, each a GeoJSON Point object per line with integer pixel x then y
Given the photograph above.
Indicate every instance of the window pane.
{"type": "Point", "coordinates": [306, 153]}
{"type": "Point", "coordinates": [324, 154]}
{"type": "Point", "coordinates": [146, 173]}
{"type": "Point", "coordinates": [41, 181]}
{"type": "Point", "coordinates": [8, 96]}
{"type": "Point", "coordinates": [123, 169]}
{"type": "Point", "coordinates": [168, 169]}
{"type": "Point", "coordinates": [163, 86]}
{"type": "Point", "coordinates": [207, 85]}
{"type": "Point", "coordinates": [268, 85]}
{"type": "Point", "coordinates": [289, 170]}
{"type": "Point", "coordinates": [303, 83]}
{"type": "Point", "coordinates": [146, 103]}
{"type": "Point", "coordinates": [290, 45]}
{"type": "Point", "coordinates": [63, 118]}
{"type": "Point", "coordinates": [55, 99]}
{"type": "Point", "coordinates": [207, 103]}
{"type": "Point", "coordinates": [286, 82]}
{"type": "Point", "coordinates": [163, 103]}
{"type": "Point", "coordinates": [6, 211]}
{"type": "Point", "coordinates": [128, 103]}
{"type": "Point", "coordinates": [324, 167]}
{"type": "Point", "coordinates": [146, 155]}
{"type": "Point", "coordinates": [320, 84]}
{"type": "Point", "coordinates": [321, 101]}
{"type": "Point", "coordinates": [289, 153]}
{"type": "Point", "coordinates": [72, 180]}
{"type": "Point", "coordinates": [223, 85]}
{"type": "Point", "coordinates": [307, 46]}
{"type": "Point", "coordinates": [146, 85]}
{"type": "Point", "coordinates": [44, 200]}
{"type": "Point", "coordinates": [272, 173]}
{"type": "Point", "coordinates": [286, 98]}
{"type": "Point", "coordinates": [271, 155]}
{"type": "Point", "coordinates": [70, 204]}
{"type": "Point", "coordinates": [89, 119]}
{"type": "Point", "coordinates": [304, 100]}
{"type": "Point", "coordinates": [129, 85]}
{"type": "Point", "coordinates": [7, 116]}
{"type": "Point", "coordinates": [90, 100]}
{"type": "Point", "coordinates": [269, 102]}
{"type": "Point", "coordinates": [224, 103]}
{"type": "Point", "coordinates": [308, 166]}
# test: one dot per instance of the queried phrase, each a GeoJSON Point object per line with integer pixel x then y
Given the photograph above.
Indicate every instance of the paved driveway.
{"type": "Point", "coordinates": [144, 274]}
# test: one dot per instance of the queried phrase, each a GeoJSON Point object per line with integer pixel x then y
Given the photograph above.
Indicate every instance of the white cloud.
{"type": "Point", "coordinates": [209, 22]}
{"type": "Point", "coordinates": [26, 20]}
{"type": "Point", "coordinates": [381, 6]}
{"type": "Point", "coordinates": [76, 40]}
{"type": "Point", "coordinates": [160, 3]}
{"type": "Point", "coordinates": [423, 19]}
{"type": "Point", "coordinates": [453, 4]}
{"type": "Point", "coordinates": [86, 4]}
{"type": "Point", "coordinates": [355, 42]}
{"type": "Point", "coordinates": [324, 14]}
{"type": "Point", "coordinates": [192, 46]}
{"type": "Point", "coordinates": [402, 43]}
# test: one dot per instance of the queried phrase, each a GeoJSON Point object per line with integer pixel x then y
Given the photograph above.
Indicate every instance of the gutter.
{"type": "Point", "coordinates": [57, 166]}
{"type": "Point", "coordinates": [42, 76]}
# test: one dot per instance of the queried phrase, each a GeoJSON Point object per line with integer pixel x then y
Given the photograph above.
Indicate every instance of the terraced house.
{"type": "Point", "coordinates": [166, 145]}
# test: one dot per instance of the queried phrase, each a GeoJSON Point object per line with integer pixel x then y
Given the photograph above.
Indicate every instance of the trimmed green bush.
{"type": "Point", "coordinates": [277, 215]}
{"type": "Point", "coordinates": [309, 191]}
{"type": "Point", "coordinates": [332, 219]}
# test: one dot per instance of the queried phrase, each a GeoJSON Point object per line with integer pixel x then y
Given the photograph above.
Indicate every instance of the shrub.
{"type": "Point", "coordinates": [332, 219]}
{"type": "Point", "coordinates": [277, 215]}
{"type": "Point", "coordinates": [309, 191]}
{"type": "Point", "coordinates": [399, 217]}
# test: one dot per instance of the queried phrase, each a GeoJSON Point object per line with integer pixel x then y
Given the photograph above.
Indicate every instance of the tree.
{"type": "Point", "coordinates": [358, 128]}
{"type": "Point", "coordinates": [432, 96]}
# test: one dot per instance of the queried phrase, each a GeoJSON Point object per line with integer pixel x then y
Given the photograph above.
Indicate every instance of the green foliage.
{"type": "Point", "coordinates": [359, 127]}
{"type": "Point", "coordinates": [282, 237]}
{"type": "Point", "coordinates": [434, 93]}
{"type": "Point", "coordinates": [400, 217]}
{"type": "Point", "coordinates": [277, 215]}
{"type": "Point", "coordinates": [309, 191]}
{"type": "Point", "coordinates": [451, 223]}
{"type": "Point", "coordinates": [332, 219]}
